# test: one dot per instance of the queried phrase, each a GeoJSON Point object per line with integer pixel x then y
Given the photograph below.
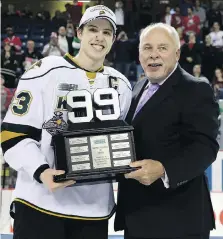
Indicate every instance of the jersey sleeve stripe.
{"type": "Point", "coordinates": [12, 142]}
{"type": "Point", "coordinates": [20, 128]}
{"type": "Point", "coordinates": [13, 133]}
{"type": "Point", "coordinates": [7, 135]}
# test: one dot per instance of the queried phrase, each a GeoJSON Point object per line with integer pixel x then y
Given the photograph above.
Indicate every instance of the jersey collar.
{"type": "Point", "coordinates": [72, 61]}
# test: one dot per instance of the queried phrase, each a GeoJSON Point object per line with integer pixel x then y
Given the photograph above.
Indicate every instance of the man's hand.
{"type": "Point", "coordinates": [149, 172]}
{"type": "Point", "coordinates": [47, 178]}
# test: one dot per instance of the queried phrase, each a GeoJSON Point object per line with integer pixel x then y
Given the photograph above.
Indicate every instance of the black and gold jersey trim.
{"type": "Point", "coordinates": [63, 215]}
{"type": "Point", "coordinates": [72, 61]}
{"type": "Point", "coordinates": [11, 134]}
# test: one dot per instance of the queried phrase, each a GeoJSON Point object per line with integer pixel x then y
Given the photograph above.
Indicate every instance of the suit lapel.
{"type": "Point", "coordinates": [164, 91]}
{"type": "Point", "coordinates": [137, 92]}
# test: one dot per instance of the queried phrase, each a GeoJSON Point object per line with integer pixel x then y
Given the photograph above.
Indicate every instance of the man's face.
{"type": "Point", "coordinates": [216, 26]}
{"type": "Point", "coordinates": [197, 70]}
{"type": "Point", "coordinates": [218, 73]}
{"type": "Point", "coordinates": [177, 10]}
{"type": "Point", "coordinates": [30, 45]}
{"type": "Point", "coordinates": [158, 54]}
{"type": "Point", "coordinates": [189, 11]}
{"type": "Point", "coordinates": [197, 3]}
{"type": "Point", "coordinates": [192, 38]}
{"type": "Point", "coordinates": [168, 10]}
{"type": "Point", "coordinates": [96, 38]}
{"type": "Point", "coordinates": [62, 31]}
{"type": "Point", "coordinates": [9, 32]}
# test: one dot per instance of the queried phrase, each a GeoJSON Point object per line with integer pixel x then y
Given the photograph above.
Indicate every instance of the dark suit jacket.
{"type": "Point", "coordinates": [178, 127]}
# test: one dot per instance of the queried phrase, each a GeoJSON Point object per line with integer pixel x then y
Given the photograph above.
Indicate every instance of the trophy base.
{"type": "Point", "coordinates": [91, 178]}
{"type": "Point", "coordinates": [95, 152]}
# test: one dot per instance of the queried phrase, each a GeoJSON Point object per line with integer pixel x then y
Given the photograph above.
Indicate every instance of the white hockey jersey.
{"type": "Point", "coordinates": [40, 97]}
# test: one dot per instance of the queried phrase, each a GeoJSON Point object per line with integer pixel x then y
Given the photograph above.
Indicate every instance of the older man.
{"type": "Point", "coordinates": [175, 127]}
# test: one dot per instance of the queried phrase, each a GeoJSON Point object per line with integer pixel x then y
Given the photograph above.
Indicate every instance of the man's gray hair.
{"type": "Point", "coordinates": [172, 31]}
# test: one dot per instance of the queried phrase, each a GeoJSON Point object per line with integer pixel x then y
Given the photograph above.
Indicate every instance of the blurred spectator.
{"type": "Point", "coordinates": [71, 34]}
{"type": "Point", "coordinates": [26, 13]}
{"type": "Point", "coordinates": [180, 33]}
{"type": "Point", "coordinates": [217, 42]}
{"type": "Point", "coordinates": [53, 48]}
{"type": "Point", "coordinates": [214, 15]}
{"type": "Point", "coordinates": [190, 54]}
{"type": "Point", "coordinates": [208, 54]}
{"type": "Point", "coordinates": [122, 51]}
{"type": "Point", "coordinates": [191, 23]}
{"type": "Point", "coordinates": [62, 39]}
{"type": "Point", "coordinates": [57, 16]}
{"type": "Point", "coordinates": [43, 14]}
{"type": "Point", "coordinates": [120, 16]}
{"type": "Point", "coordinates": [11, 11]}
{"type": "Point", "coordinates": [131, 16]}
{"type": "Point", "coordinates": [200, 12]}
{"type": "Point", "coordinates": [197, 73]}
{"type": "Point", "coordinates": [184, 5]}
{"type": "Point", "coordinates": [66, 15]}
{"type": "Point", "coordinates": [167, 18]}
{"type": "Point", "coordinates": [142, 76]}
{"type": "Point", "coordinates": [145, 13]}
{"type": "Point", "coordinates": [177, 18]}
{"type": "Point", "coordinates": [70, 29]}
{"type": "Point", "coordinates": [30, 55]}
{"type": "Point", "coordinates": [9, 65]}
{"type": "Point", "coordinates": [135, 56]}
{"type": "Point", "coordinates": [76, 44]}
{"type": "Point", "coordinates": [58, 19]}
{"type": "Point", "coordinates": [218, 83]}
{"type": "Point", "coordinates": [75, 12]}
{"type": "Point", "coordinates": [13, 40]}
{"type": "Point", "coordinates": [216, 36]}
{"type": "Point", "coordinates": [6, 97]}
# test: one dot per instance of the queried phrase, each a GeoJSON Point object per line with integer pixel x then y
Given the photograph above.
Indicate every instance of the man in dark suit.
{"type": "Point", "coordinates": [175, 119]}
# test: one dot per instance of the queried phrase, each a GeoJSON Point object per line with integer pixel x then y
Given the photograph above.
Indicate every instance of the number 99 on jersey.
{"type": "Point", "coordinates": [94, 152]}
{"type": "Point", "coordinates": [104, 106]}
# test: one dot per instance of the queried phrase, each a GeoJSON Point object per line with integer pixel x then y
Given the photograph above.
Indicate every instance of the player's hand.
{"type": "Point", "coordinates": [47, 178]}
{"type": "Point", "coordinates": [150, 170]}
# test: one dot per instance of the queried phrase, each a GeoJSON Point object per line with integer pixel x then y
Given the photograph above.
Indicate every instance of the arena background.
{"type": "Point", "coordinates": [34, 20]}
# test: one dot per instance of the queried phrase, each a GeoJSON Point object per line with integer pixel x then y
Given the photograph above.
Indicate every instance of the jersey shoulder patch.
{"type": "Point", "coordinates": [44, 66]}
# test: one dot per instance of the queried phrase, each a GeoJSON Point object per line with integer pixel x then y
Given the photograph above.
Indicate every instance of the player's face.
{"type": "Point", "coordinates": [158, 54]}
{"type": "Point", "coordinates": [96, 38]}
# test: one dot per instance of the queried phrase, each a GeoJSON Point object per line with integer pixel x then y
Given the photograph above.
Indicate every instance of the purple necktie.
{"type": "Point", "coordinates": [147, 94]}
